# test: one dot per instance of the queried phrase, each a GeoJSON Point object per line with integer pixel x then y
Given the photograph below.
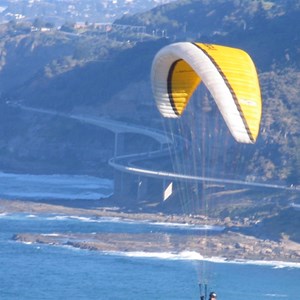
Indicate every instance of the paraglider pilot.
{"type": "Point", "coordinates": [212, 296]}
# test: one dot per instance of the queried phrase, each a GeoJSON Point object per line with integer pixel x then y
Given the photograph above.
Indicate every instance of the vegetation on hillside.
{"type": "Point", "coordinates": [107, 72]}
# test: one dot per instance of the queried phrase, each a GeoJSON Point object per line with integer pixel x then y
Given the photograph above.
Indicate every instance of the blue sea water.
{"type": "Point", "coordinates": [35, 271]}
{"type": "Point", "coordinates": [72, 187]}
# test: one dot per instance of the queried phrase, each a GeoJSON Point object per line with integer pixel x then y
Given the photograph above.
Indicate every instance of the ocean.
{"type": "Point", "coordinates": [38, 271]}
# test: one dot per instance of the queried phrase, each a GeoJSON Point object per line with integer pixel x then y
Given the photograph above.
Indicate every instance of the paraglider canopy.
{"type": "Point", "coordinates": [228, 73]}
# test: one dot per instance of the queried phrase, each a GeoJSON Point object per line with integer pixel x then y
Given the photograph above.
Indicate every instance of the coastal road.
{"type": "Point", "coordinates": [128, 163]}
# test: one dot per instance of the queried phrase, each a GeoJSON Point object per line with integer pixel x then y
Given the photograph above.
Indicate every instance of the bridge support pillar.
{"type": "Point", "coordinates": [119, 144]}
{"type": "Point", "coordinates": [133, 188]}
{"type": "Point", "coordinates": [122, 184]}
{"type": "Point", "coordinates": [142, 188]}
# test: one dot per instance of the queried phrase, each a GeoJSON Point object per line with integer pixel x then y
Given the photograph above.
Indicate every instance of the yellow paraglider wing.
{"type": "Point", "coordinates": [182, 83]}
{"type": "Point", "coordinates": [228, 73]}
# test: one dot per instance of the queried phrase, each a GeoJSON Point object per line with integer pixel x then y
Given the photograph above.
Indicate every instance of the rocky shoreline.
{"type": "Point", "coordinates": [232, 243]}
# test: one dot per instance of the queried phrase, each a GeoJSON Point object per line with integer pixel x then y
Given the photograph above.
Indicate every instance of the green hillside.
{"type": "Point", "coordinates": [108, 74]}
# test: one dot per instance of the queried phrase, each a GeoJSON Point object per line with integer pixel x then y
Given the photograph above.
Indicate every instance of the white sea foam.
{"type": "Point", "coordinates": [82, 219]}
{"type": "Point", "coordinates": [275, 264]}
{"type": "Point", "coordinates": [31, 216]}
{"type": "Point", "coordinates": [276, 295]}
{"type": "Point", "coordinates": [158, 224]}
{"type": "Point", "coordinates": [185, 255]}
{"type": "Point", "coordinates": [195, 256]}
{"type": "Point", "coordinates": [136, 222]}
{"type": "Point", "coordinates": [189, 226]}
{"type": "Point", "coordinates": [185, 226]}
{"type": "Point", "coordinates": [51, 234]}
{"type": "Point", "coordinates": [58, 218]}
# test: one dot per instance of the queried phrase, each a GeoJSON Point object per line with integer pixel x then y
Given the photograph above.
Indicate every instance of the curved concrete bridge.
{"type": "Point", "coordinates": [131, 179]}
